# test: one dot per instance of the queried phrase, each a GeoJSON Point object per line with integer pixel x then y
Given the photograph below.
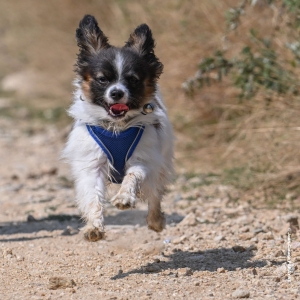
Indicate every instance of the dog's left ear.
{"type": "Point", "coordinates": [142, 42]}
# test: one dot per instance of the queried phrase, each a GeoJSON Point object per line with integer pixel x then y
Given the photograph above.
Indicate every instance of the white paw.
{"type": "Point", "coordinates": [124, 200]}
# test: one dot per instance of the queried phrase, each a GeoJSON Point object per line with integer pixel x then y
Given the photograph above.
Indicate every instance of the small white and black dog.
{"type": "Point", "coordinates": [121, 133]}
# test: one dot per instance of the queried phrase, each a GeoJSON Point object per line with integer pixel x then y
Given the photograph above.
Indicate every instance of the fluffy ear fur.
{"type": "Point", "coordinates": [141, 41]}
{"type": "Point", "coordinates": [90, 38]}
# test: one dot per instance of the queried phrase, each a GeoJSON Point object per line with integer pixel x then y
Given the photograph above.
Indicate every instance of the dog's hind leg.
{"type": "Point", "coordinates": [155, 219]}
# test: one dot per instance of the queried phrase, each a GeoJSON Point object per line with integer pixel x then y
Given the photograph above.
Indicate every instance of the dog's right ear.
{"type": "Point", "coordinates": [90, 38]}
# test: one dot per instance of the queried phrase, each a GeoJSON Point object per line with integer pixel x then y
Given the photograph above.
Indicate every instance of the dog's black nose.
{"type": "Point", "coordinates": [116, 94]}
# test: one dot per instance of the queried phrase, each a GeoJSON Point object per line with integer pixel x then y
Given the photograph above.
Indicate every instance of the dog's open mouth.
{"type": "Point", "coordinates": [118, 110]}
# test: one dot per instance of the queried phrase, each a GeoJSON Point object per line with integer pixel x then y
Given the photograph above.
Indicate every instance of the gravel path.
{"type": "Point", "coordinates": [212, 248]}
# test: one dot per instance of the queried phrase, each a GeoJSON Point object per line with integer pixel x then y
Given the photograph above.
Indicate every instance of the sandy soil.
{"type": "Point", "coordinates": [212, 248]}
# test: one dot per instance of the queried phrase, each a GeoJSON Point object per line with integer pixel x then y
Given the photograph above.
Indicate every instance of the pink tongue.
{"type": "Point", "coordinates": [119, 108]}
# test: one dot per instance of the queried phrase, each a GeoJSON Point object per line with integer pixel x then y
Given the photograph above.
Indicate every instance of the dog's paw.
{"type": "Point", "coordinates": [156, 222]}
{"type": "Point", "coordinates": [92, 234]}
{"type": "Point", "coordinates": [124, 200]}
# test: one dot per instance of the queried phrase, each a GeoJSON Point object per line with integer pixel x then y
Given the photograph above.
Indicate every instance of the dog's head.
{"type": "Point", "coordinates": [117, 80]}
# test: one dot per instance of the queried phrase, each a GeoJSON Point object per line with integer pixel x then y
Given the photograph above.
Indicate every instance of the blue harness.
{"type": "Point", "coordinates": [118, 147]}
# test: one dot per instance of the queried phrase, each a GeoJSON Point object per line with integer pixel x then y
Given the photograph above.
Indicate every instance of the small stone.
{"type": "Point", "coordinates": [219, 238]}
{"type": "Point", "coordinates": [185, 272]}
{"type": "Point", "coordinates": [60, 283]}
{"type": "Point", "coordinates": [7, 253]}
{"type": "Point", "coordinates": [281, 271]}
{"type": "Point", "coordinates": [152, 268]}
{"type": "Point", "coordinates": [238, 248]}
{"type": "Point", "coordinates": [166, 272]}
{"type": "Point", "coordinates": [258, 230]}
{"type": "Point", "coordinates": [241, 293]}
{"type": "Point", "coordinates": [279, 253]}
{"type": "Point", "coordinates": [221, 270]}
{"type": "Point", "coordinates": [98, 268]}
{"type": "Point", "coordinates": [277, 279]}
{"type": "Point", "coordinates": [14, 177]}
{"type": "Point", "coordinates": [254, 272]}
{"type": "Point", "coordinates": [244, 229]}
{"type": "Point", "coordinates": [252, 248]}
{"type": "Point", "coordinates": [31, 218]}
{"type": "Point", "coordinates": [19, 258]}
{"type": "Point", "coordinates": [268, 236]}
{"type": "Point", "coordinates": [189, 220]}
{"type": "Point", "coordinates": [69, 230]}
{"type": "Point", "coordinates": [179, 240]}
{"type": "Point", "coordinates": [246, 236]}
{"type": "Point", "coordinates": [254, 240]}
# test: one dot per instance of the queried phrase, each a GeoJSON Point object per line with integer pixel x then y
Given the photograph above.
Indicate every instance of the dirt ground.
{"type": "Point", "coordinates": [212, 248]}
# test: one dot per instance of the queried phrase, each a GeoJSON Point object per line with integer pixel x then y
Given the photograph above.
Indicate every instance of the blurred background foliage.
{"type": "Point", "coordinates": [236, 118]}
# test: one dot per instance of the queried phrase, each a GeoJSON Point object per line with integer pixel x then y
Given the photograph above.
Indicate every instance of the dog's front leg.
{"type": "Point", "coordinates": [126, 197]}
{"type": "Point", "coordinates": [90, 190]}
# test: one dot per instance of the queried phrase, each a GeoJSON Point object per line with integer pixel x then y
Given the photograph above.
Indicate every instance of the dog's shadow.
{"type": "Point", "coordinates": [210, 260]}
{"type": "Point", "coordinates": [62, 221]}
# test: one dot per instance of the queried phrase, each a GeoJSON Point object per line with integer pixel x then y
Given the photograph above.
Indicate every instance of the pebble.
{"type": "Point", "coordinates": [277, 279]}
{"type": "Point", "coordinates": [60, 283]}
{"type": "Point", "coordinates": [31, 218]}
{"type": "Point", "coordinates": [189, 220]}
{"type": "Point", "coordinates": [185, 272]}
{"type": "Point", "coordinates": [152, 268]}
{"type": "Point", "coordinates": [244, 229]}
{"type": "Point", "coordinates": [238, 248]}
{"type": "Point", "coordinates": [258, 230]}
{"type": "Point", "coordinates": [268, 236]}
{"type": "Point", "coordinates": [98, 268]}
{"type": "Point", "coordinates": [279, 253]}
{"type": "Point", "coordinates": [281, 271]}
{"type": "Point", "coordinates": [241, 293]}
{"type": "Point", "coordinates": [179, 240]}
{"type": "Point", "coordinates": [246, 236]}
{"type": "Point", "coordinates": [254, 240]}
{"type": "Point", "coordinates": [219, 238]}
{"type": "Point", "coordinates": [69, 230]}
{"type": "Point", "coordinates": [252, 248]}
{"type": "Point", "coordinates": [19, 258]}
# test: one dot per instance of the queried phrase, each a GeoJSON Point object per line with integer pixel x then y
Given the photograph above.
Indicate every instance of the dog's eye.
{"type": "Point", "coordinates": [102, 80]}
{"type": "Point", "coordinates": [133, 80]}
